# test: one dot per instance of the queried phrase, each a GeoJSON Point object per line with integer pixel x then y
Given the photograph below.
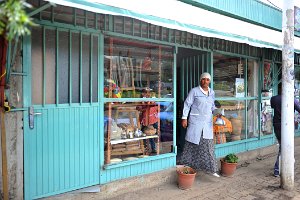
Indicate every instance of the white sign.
{"type": "Point", "coordinates": [239, 87]}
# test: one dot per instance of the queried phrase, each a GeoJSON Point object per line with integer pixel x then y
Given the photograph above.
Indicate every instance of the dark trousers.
{"type": "Point", "coordinates": [277, 130]}
{"type": "Point", "coordinates": [152, 140]}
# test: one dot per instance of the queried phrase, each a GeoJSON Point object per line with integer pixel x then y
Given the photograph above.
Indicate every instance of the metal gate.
{"type": "Point", "coordinates": [61, 127]}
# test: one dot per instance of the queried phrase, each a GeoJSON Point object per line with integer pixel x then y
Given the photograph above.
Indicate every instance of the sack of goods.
{"type": "Point", "coordinates": [150, 130]}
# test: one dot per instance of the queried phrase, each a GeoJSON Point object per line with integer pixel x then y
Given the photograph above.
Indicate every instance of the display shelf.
{"type": "Point", "coordinates": [126, 73]}
{"type": "Point", "coordinates": [132, 139]}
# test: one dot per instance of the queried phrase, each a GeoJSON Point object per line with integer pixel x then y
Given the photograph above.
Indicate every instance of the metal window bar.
{"type": "Point", "coordinates": [246, 95]}
{"type": "Point", "coordinates": [44, 66]}
{"type": "Point", "coordinates": [70, 67]}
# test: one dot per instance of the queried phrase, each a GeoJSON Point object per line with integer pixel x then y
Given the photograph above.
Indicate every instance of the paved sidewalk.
{"type": "Point", "coordinates": [252, 180]}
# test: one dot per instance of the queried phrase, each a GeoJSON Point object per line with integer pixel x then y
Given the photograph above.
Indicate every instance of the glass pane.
{"type": "Point", "coordinates": [137, 130]}
{"type": "Point", "coordinates": [267, 77]}
{"type": "Point", "coordinates": [37, 65]}
{"type": "Point", "coordinates": [75, 68]}
{"type": "Point", "coordinates": [85, 68]}
{"type": "Point", "coordinates": [297, 81]}
{"type": "Point", "coordinates": [63, 67]}
{"type": "Point", "coordinates": [253, 78]}
{"type": "Point", "coordinates": [297, 121]}
{"type": "Point", "coordinates": [232, 127]}
{"type": "Point", "coordinates": [228, 76]}
{"type": "Point", "coordinates": [252, 119]}
{"type": "Point", "coordinates": [95, 68]}
{"type": "Point", "coordinates": [50, 66]}
{"type": "Point", "coordinates": [266, 117]}
{"type": "Point", "coordinates": [131, 67]}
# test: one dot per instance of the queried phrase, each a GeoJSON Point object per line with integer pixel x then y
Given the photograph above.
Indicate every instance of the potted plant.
{"type": "Point", "coordinates": [228, 164]}
{"type": "Point", "coordinates": [186, 177]}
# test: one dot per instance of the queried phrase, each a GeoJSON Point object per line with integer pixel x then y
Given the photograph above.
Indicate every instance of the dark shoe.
{"type": "Point", "coordinates": [276, 173]}
{"type": "Point", "coordinates": [154, 151]}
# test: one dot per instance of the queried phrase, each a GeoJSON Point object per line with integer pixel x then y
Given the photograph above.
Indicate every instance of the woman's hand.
{"type": "Point", "coordinates": [184, 123]}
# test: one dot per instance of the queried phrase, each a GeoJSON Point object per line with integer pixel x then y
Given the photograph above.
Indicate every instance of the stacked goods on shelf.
{"type": "Point", "coordinates": [128, 130]}
{"type": "Point", "coordinates": [132, 146]}
{"type": "Point", "coordinates": [125, 148]}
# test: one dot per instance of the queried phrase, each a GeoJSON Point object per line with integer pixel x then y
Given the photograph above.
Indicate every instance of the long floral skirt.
{"type": "Point", "coordinates": [200, 157]}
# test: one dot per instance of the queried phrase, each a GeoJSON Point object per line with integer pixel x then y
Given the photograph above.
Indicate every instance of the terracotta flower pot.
{"type": "Point", "coordinates": [227, 169]}
{"type": "Point", "coordinates": [186, 177]}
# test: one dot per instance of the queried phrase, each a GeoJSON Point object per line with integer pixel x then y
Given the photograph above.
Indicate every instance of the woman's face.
{"type": "Point", "coordinates": [146, 94]}
{"type": "Point", "coordinates": [205, 82]}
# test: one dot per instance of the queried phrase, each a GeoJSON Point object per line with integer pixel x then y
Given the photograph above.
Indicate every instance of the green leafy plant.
{"type": "Point", "coordinates": [187, 170]}
{"type": "Point", "coordinates": [231, 158]}
{"type": "Point", "coordinates": [14, 21]}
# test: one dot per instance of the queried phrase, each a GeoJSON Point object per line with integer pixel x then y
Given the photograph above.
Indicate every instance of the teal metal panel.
{"type": "Point", "coordinates": [62, 151]}
{"type": "Point", "coordinates": [243, 145]}
{"type": "Point", "coordinates": [142, 166]}
{"type": "Point", "coordinates": [252, 11]}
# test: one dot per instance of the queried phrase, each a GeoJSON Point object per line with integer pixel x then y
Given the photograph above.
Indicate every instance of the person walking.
{"type": "Point", "coordinates": [276, 105]}
{"type": "Point", "coordinates": [198, 151]}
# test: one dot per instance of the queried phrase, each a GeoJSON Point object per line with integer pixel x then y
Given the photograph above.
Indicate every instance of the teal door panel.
{"type": "Point", "coordinates": [61, 151]}
{"type": "Point", "coordinates": [62, 148]}
{"type": "Point", "coordinates": [191, 64]}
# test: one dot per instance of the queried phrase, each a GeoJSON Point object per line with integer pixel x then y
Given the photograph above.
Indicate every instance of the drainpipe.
{"type": "Point", "coordinates": [287, 107]}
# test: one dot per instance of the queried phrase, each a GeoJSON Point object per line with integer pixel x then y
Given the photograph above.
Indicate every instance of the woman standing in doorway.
{"type": "Point", "coordinates": [198, 151]}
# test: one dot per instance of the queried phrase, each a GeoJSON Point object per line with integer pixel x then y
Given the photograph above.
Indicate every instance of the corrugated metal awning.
{"type": "Point", "coordinates": [178, 15]}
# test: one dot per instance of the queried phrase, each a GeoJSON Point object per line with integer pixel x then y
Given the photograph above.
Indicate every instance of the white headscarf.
{"type": "Point", "coordinates": [205, 75]}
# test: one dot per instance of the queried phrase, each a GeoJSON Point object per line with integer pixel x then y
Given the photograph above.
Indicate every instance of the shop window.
{"type": "Point", "coordinates": [266, 117]}
{"type": "Point", "coordinates": [252, 78]}
{"type": "Point", "coordinates": [137, 130]}
{"type": "Point", "coordinates": [267, 93]}
{"type": "Point", "coordinates": [252, 91]}
{"type": "Point", "coordinates": [240, 116]}
{"type": "Point", "coordinates": [131, 67]}
{"type": "Point", "coordinates": [252, 117]}
{"type": "Point", "coordinates": [267, 79]}
{"type": "Point", "coordinates": [228, 80]}
{"type": "Point", "coordinates": [231, 127]}
{"type": "Point", "coordinates": [142, 126]}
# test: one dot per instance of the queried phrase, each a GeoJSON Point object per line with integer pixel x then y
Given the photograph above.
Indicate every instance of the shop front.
{"type": "Point", "coordinates": [105, 95]}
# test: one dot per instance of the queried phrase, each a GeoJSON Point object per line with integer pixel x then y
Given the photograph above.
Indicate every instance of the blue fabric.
{"type": "Point", "coordinates": [200, 107]}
